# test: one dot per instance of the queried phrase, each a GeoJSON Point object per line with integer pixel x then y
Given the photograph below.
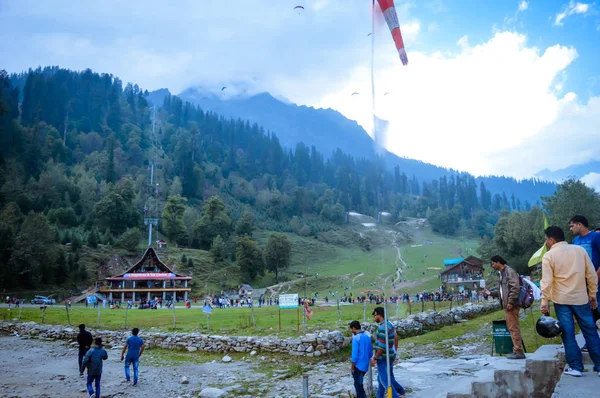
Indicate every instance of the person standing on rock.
{"type": "Point", "coordinates": [381, 350]}
{"type": "Point", "coordinates": [362, 349]}
{"type": "Point", "coordinates": [93, 361]}
{"type": "Point", "coordinates": [508, 292]}
{"type": "Point", "coordinates": [569, 280]}
{"type": "Point", "coordinates": [134, 346]}
{"type": "Point", "coordinates": [85, 340]}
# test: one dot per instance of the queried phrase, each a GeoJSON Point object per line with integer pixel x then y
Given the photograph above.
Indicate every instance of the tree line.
{"type": "Point", "coordinates": [74, 158]}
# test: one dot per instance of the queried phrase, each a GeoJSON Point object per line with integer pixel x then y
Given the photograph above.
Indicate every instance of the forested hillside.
{"type": "Point", "coordinates": [74, 156]}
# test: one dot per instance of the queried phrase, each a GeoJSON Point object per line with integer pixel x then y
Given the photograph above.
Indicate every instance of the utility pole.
{"type": "Point", "coordinates": [148, 220]}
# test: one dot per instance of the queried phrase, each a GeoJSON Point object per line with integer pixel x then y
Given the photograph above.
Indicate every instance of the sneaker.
{"type": "Point", "coordinates": [572, 372]}
{"type": "Point", "coordinates": [598, 324]}
{"type": "Point", "coordinates": [514, 355]}
{"type": "Point", "coordinates": [80, 374]}
{"type": "Point", "coordinates": [584, 348]}
{"type": "Point", "coordinates": [93, 395]}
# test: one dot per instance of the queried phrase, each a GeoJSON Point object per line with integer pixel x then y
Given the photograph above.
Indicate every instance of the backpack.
{"type": "Point", "coordinates": [525, 294]}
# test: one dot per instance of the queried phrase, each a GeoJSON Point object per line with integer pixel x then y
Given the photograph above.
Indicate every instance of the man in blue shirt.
{"type": "Point", "coordinates": [590, 241]}
{"type": "Point", "coordinates": [362, 349]}
{"type": "Point", "coordinates": [134, 347]}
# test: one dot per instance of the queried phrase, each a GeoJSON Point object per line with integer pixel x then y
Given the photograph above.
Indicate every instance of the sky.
{"type": "Point", "coordinates": [492, 87]}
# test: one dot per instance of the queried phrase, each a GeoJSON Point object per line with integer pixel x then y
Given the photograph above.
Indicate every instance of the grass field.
{"type": "Point", "coordinates": [233, 321]}
{"type": "Point", "coordinates": [350, 269]}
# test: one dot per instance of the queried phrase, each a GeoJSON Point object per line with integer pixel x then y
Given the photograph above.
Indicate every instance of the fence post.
{"type": "Point", "coordinates": [20, 310]}
{"type": "Point", "coordinates": [43, 312]}
{"type": "Point", "coordinates": [451, 298]}
{"type": "Point", "coordinates": [68, 317]}
{"type": "Point", "coordinates": [397, 312]}
{"type": "Point", "coordinates": [126, 310]}
{"type": "Point", "coordinates": [434, 304]}
{"type": "Point", "coordinates": [98, 314]}
{"type": "Point", "coordinates": [364, 311]}
{"type": "Point", "coordinates": [304, 386]}
{"type": "Point", "coordinates": [174, 317]}
{"type": "Point", "coordinates": [339, 314]}
{"type": "Point", "coordinates": [422, 305]}
{"type": "Point", "coordinates": [369, 386]}
{"type": "Point", "coordinates": [409, 307]}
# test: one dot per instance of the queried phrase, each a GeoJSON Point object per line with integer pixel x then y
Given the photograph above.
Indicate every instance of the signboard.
{"type": "Point", "coordinates": [145, 275]}
{"type": "Point", "coordinates": [207, 309]}
{"type": "Point", "coordinates": [288, 300]}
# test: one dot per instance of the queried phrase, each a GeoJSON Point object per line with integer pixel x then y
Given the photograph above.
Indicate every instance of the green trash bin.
{"type": "Point", "coordinates": [502, 342]}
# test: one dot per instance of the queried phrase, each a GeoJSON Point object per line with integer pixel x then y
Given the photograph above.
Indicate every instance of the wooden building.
{"type": "Point", "coordinates": [467, 273]}
{"type": "Point", "coordinates": [149, 278]}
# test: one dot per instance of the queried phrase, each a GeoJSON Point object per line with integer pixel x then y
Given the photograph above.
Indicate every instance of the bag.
{"type": "Point", "coordinates": [525, 294]}
{"type": "Point", "coordinates": [548, 327]}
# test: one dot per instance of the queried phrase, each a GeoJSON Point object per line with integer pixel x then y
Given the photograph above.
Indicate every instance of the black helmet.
{"type": "Point", "coordinates": [548, 327]}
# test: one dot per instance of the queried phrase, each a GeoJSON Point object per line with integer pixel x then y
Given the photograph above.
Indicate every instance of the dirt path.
{"type": "Point", "coordinates": [34, 368]}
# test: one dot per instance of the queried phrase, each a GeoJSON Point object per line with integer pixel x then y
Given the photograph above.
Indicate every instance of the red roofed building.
{"type": "Point", "coordinates": [147, 279]}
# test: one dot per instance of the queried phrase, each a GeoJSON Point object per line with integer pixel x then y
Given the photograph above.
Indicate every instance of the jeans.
{"type": "Point", "coordinates": [136, 363]}
{"type": "Point", "coordinates": [359, 377]}
{"type": "Point", "coordinates": [90, 379]}
{"type": "Point", "coordinates": [80, 358]}
{"type": "Point", "coordinates": [397, 389]}
{"type": "Point", "coordinates": [583, 314]}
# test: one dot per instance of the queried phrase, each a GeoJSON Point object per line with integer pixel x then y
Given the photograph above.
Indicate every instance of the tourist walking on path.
{"type": "Point", "coordinates": [93, 362]}
{"type": "Point", "coordinates": [362, 350]}
{"type": "Point", "coordinates": [134, 346]}
{"type": "Point", "coordinates": [569, 280]}
{"type": "Point", "coordinates": [382, 350]}
{"type": "Point", "coordinates": [509, 287]}
{"type": "Point", "coordinates": [85, 340]}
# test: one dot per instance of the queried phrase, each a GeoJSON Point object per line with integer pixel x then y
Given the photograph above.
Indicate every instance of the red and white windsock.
{"type": "Point", "coordinates": [389, 13]}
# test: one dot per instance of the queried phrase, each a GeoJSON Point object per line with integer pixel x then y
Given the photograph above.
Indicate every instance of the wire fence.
{"type": "Point", "coordinates": [231, 320]}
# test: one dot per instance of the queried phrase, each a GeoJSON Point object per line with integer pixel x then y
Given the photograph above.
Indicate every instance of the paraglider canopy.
{"type": "Point", "coordinates": [298, 7]}
{"type": "Point", "coordinates": [355, 93]}
{"type": "Point", "coordinates": [223, 88]}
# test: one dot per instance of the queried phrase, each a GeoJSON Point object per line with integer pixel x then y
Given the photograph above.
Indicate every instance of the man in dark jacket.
{"type": "Point", "coordinates": [85, 340]}
{"type": "Point", "coordinates": [509, 288]}
{"type": "Point", "coordinates": [93, 361]}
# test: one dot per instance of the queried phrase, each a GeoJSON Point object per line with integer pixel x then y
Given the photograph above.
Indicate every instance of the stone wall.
{"type": "Point", "coordinates": [312, 344]}
{"type": "Point", "coordinates": [425, 322]}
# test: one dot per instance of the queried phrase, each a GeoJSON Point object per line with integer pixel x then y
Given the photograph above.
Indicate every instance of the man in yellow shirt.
{"type": "Point", "coordinates": [569, 280]}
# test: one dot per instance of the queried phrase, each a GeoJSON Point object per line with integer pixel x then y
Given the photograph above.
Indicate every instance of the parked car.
{"type": "Point", "coordinates": [42, 300]}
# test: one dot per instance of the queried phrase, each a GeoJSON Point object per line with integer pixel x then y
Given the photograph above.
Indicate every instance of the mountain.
{"type": "Point", "coordinates": [328, 130]}
{"type": "Point", "coordinates": [576, 170]}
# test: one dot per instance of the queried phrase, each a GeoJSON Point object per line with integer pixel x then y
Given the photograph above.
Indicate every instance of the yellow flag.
{"type": "Point", "coordinates": [538, 255]}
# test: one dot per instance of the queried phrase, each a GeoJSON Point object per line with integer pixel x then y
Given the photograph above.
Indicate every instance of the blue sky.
{"type": "Point", "coordinates": [480, 18]}
{"type": "Point", "coordinates": [491, 82]}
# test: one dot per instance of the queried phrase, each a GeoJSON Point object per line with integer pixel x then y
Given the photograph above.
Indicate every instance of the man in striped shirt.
{"type": "Point", "coordinates": [379, 358]}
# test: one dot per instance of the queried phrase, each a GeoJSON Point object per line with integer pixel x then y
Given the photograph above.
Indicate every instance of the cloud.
{"type": "Point", "coordinates": [486, 108]}
{"type": "Point", "coordinates": [508, 21]}
{"type": "Point", "coordinates": [592, 180]}
{"type": "Point", "coordinates": [161, 44]}
{"type": "Point", "coordinates": [570, 9]}
{"type": "Point", "coordinates": [523, 6]}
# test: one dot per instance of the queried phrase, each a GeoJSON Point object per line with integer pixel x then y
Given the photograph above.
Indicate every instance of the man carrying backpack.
{"type": "Point", "coordinates": [509, 289]}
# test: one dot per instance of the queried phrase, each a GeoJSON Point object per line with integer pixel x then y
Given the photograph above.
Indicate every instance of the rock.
{"type": "Point", "coordinates": [185, 380]}
{"type": "Point", "coordinates": [226, 358]}
{"type": "Point", "coordinates": [252, 353]}
{"type": "Point", "coordinates": [212, 392]}
{"type": "Point", "coordinates": [192, 349]}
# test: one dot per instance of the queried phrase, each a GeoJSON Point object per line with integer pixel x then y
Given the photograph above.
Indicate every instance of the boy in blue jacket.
{"type": "Point", "coordinates": [93, 362]}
